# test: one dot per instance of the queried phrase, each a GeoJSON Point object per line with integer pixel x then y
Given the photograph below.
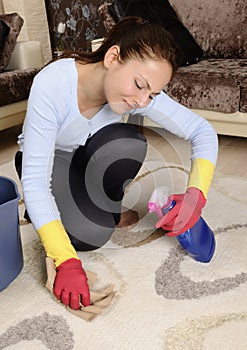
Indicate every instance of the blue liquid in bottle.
{"type": "Point", "coordinates": [198, 241]}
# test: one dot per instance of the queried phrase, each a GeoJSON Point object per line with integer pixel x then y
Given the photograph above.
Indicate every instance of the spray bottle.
{"type": "Point", "coordinates": [198, 241]}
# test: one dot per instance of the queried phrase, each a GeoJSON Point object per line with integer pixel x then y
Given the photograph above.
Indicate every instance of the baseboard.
{"type": "Point", "coordinates": [232, 124]}
{"type": "Point", "coordinates": [12, 114]}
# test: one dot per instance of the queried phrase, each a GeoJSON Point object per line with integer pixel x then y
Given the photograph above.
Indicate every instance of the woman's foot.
{"type": "Point", "coordinates": [128, 218]}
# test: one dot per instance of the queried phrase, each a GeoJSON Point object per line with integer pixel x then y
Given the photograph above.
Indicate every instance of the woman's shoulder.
{"type": "Point", "coordinates": [61, 69]}
{"type": "Point", "coordinates": [58, 76]}
{"type": "Point", "coordinates": [56, 83]}
{"type": "Point", "coordinates": [61, 63]}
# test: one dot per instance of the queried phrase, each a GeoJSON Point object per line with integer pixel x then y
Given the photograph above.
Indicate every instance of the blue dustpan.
{"type": "Point", "coordinates": [11, 255]}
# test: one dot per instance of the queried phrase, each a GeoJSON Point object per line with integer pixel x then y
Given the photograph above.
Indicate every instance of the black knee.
{"type": "Point", "coordinates": [115, 132]}
{"type": "Point", "coordinates": [80, 245]}
{"type": "Point", "coordinates": [18, 168]}
{"type": "Point", "coordinates": [18, 163]}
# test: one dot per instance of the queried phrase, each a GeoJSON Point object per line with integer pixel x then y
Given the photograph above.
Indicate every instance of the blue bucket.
{"type": "Point", "coordinates": [11, 254]}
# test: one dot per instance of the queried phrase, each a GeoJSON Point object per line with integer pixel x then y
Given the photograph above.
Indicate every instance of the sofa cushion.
{"type": "Point", "coordinates": [4, 32]}
{"type": "Point", "coordinates": [162, 12]}
{"type": "Point", "coordinates": [15, 22]}
{"type": "Point", "coordinates": [15, 85]}
{"type": "Point", "coordinates": [213, 84]}
{"type": "Point", "coordinates": [219, 27]}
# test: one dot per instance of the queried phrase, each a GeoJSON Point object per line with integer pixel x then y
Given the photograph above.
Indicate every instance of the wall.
{"type": "Point", "coordinates": [35, 25]}
{"type": "Point", "coordinates": [82, 23]}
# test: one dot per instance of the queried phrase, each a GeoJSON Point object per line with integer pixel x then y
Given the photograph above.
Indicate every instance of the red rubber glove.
{"type": "Point", "coordinates": [71, 284]}
{"type": "Point", "coordinates": [185, 213]}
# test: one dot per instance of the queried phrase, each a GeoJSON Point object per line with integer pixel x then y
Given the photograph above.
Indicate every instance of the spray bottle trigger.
{"type": "Point", "coordinates": [168, 206]}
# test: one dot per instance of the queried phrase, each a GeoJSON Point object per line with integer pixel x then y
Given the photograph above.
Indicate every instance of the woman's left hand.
{"type": "Point", "coordinates": [185, 213]}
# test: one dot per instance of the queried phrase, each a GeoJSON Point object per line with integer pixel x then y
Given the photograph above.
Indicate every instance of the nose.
{"type": "Point", "coordinates": [143, 99]}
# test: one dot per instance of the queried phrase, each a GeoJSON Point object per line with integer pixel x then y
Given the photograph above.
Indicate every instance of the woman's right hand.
{"type": "Point", "coordinates": [71, 285]}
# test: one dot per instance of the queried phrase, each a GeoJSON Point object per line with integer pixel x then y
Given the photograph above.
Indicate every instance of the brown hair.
{"type": "Point", "coordinates": [137, 38]}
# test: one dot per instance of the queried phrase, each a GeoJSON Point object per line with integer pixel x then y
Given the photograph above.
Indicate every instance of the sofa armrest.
{"type": "Point", "coordinates": [26, 55]}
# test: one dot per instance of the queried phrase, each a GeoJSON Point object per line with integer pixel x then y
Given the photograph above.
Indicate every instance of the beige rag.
{"type": "Point", "coordinates": [99, 299]}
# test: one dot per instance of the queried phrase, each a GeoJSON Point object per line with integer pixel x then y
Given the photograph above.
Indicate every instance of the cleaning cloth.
{"type": "Point", "coordinates": [100, 299]}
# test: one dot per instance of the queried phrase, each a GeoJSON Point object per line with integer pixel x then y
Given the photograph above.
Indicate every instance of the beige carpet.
{"type": "Point", "coordinates": [164, 299]}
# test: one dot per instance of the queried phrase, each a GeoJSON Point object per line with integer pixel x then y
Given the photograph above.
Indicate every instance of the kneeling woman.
{"type": "Point", "coordinates": [76, 156]}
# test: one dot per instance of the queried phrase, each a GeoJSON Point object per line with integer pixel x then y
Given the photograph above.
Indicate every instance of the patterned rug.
{"type": "Point", "coordinates": [164, 299]}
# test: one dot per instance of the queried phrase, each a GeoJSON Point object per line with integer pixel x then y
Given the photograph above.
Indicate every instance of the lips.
{"type": "Point", "coordinates": [129, 106]}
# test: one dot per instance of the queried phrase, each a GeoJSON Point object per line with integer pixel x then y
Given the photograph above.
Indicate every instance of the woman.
{"type": "Point", "coordinates": [78, 156]}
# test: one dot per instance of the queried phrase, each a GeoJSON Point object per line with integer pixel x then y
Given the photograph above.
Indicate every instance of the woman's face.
{"type": "Point", "coordinates": [134, 83]}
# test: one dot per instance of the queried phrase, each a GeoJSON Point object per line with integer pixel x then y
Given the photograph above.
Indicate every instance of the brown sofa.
{"type": "Point", "coordinates": [19, 63]}
{"type": "Point", "coordinates": [215, 86]}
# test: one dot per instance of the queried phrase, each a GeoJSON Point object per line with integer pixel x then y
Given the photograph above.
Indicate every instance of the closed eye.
{"type": "Point", "coordinates": [138, 85]}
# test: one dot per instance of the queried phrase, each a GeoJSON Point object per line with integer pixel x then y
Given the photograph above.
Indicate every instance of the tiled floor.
{"type": "Point", "coordinates": [232, 159]}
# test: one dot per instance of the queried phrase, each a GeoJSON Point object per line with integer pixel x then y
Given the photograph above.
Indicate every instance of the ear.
{"type": "Point", "coordinates": [111, 55]}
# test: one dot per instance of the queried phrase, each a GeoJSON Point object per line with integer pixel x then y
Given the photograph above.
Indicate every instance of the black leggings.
{"type": "Point", "coordinates": [88, 184]}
